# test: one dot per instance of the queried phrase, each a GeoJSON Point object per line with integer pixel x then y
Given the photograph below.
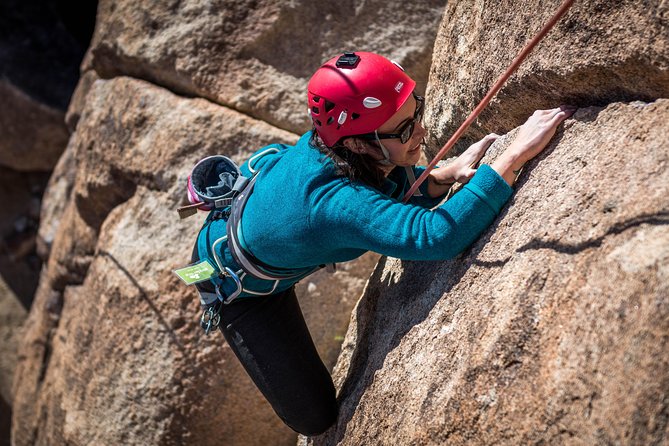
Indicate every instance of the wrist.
{"type": "Point", "coordinates": [438, 187]}
{"type": "Point", "coordinates": [443, 176]}
{"type": "Point", "coordinates": [509, 165]}
{"type": "Point", "coordinates": [515, 153]}
{"type": "Point", "coordinates": [443, 181]}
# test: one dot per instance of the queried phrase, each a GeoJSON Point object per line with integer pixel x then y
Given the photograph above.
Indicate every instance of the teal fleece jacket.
{"type": "Point", "coordinates": [302, 214]}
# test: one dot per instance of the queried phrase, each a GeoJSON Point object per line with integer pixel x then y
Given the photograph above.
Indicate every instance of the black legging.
{"type": "Point", "coordinates": [270, 338]}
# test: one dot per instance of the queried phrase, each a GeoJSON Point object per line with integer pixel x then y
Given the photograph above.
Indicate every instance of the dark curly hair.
{"type": "Point", "coordinates": [354, 166]}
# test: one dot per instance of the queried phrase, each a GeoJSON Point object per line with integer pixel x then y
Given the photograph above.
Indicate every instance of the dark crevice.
{"type": "Point", "coordinates": [660, 218]}
{"type": "Point", "coordinates": [53, 309]}
{"type": "Point", "coordinates": [177, 90]}
{"type": "Point", "coordinates": [19, 221]}
{"type": "Point", "coordinates": [5, 422]}
{"type": "Point", "coordinates": [42, 43]}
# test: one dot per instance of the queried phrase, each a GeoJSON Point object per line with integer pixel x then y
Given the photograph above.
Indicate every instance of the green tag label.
{"type": "Point", "coordinates": [198, 272]}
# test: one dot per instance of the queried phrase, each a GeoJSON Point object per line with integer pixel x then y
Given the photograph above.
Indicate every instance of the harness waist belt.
{"type": "Point", "coordinates": [249, 263]}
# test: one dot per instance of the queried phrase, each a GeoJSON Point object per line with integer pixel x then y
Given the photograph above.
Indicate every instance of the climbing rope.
{"type": "Point", "coordinates": [488, 97]}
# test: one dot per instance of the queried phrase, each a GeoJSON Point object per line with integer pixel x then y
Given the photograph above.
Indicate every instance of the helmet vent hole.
{"type": "Point", "coordinates": [329, 106]}
{"type": "Point", "coordinates": [318, 123]}
{"type": "Point", "coordinates": [330, 120]}
{"type": "Point", "coordinates": [316, 98]}
{"type": "Point", "coordinates": [315, 110]}
{"type": "Point", "coordinates": [354, 116]}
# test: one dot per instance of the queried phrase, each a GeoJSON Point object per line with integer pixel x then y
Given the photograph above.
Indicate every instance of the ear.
{"type": "Point", "coordinates": [355, 145]}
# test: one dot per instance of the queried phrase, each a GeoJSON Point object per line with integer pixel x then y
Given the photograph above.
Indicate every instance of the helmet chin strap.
{"type": "Point", "coordinates": [386, 162]}
{"type": "Point", "coordinates": [386, 155]}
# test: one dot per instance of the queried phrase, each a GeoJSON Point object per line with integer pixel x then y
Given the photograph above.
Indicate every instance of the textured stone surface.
{"type": "Point", "coordinates": [256, 56]}
{"type": "Point", "coordinates": [19, 269]}
{"type": "Point", "coordinates": [552, 329]}
{"type": "Point", "coordinates": [78, 99]}
{"type": "Point", "coordinates": [600, 52]}
{"type": "Point", "coordinates": [112, 352]}
{"type": "Point", "coordinates": [33, 133]}
{"type": "Point", "coordinates": [12, 315]}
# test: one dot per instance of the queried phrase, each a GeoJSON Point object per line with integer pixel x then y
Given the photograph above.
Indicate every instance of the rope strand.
{"type": "Point", "coordinates": [488, 97]}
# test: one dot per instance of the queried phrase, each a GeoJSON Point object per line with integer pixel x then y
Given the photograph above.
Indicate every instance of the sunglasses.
{"type": "Point", "coordinates": [405, 132]}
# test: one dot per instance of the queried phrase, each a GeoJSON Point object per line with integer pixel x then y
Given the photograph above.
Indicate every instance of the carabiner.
{"type": "Point", "coordinates": [211, 318]}
{"type": "Point", "coordinates": [227, 299]}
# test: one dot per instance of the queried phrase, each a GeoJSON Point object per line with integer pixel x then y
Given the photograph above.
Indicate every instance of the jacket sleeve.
{"type": "Point", "coordinates": [349, 216]}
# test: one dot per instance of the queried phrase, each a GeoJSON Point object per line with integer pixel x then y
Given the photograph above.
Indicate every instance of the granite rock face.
{"type": "Point", "coordinates": [256, 56]}
{"type": "Point", "coordinates": [33, 133]}
{"type": "Point", "coordinates": [12, 316]}
{"type": "Point", "coordinates": [112, 351]}
{"type": "Point", "coordinates": [600, 52]}
{"type": "Point", "coordinates": [552, 329]}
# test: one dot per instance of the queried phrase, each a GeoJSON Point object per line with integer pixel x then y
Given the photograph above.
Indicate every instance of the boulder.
{"type": "Point", "coordinates": [600, 52]}
{"type": "Point", "coordinates": [551, 329]}
{"type": "Point", "coordinates": [12, 316]}
{"type": "Point", "coordinates": [19, 269]}
{"type": "Point", "coordinates": [112, 352]}
{"type": "Point", "coordinates": [255, 56]}
{"type": "Point", "coordinates": [33, 133]}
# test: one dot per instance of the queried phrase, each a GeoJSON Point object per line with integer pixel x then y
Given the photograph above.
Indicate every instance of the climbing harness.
{"type": "Point", "coordinates": [217, 185]}
{"type": "Point", "coordinates": [488, 97]}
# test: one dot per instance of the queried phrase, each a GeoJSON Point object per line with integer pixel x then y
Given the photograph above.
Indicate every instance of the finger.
{"type": "Point", "coordinates": [569, 109]}
{"type": "Point", "coordinates": [491, 138]}
{"type": "Point", "coordinates": [466, 176]}
{"type": "Point", "coordinates": [558, 118]}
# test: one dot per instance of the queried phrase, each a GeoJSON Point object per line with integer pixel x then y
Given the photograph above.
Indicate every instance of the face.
{"type": "Point", "coordinates": [408, 153]}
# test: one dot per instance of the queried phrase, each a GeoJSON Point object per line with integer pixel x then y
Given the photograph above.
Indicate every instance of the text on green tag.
{"type": "Point", "coordinates": [198, 272]}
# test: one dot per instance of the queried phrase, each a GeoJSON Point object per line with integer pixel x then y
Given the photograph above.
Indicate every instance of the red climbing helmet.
{"type": "Point", "coordinates": [355, 93]}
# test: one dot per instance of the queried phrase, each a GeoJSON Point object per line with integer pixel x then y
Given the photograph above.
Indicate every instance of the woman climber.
{"type": "Point", "coordinates": [330, 198]}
